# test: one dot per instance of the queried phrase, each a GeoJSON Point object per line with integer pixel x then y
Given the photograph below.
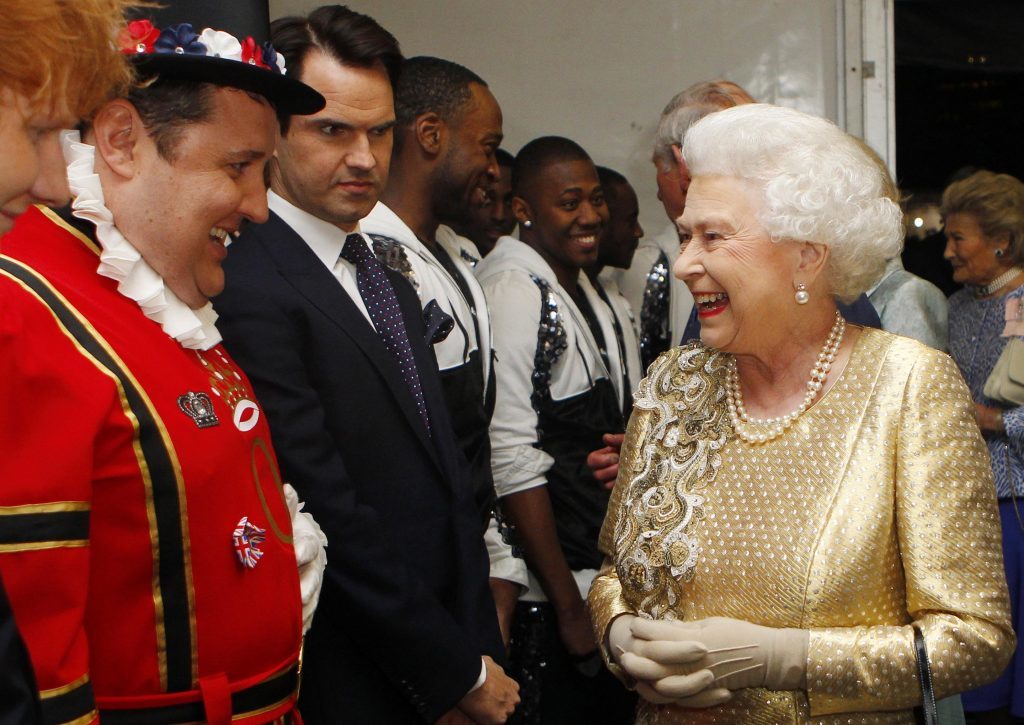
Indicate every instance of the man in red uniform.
{"type": "Point", "coordinates": [45, 85]}
{"type": "Point", "coordinates": [146, 543]}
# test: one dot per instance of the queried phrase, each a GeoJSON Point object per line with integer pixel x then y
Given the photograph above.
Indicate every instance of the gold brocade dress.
{"type": "Point", "coordinates": [875, 509]}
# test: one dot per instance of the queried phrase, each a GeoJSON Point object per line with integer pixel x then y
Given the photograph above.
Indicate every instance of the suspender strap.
{"type": "Point", "coordinates": [924, 674]}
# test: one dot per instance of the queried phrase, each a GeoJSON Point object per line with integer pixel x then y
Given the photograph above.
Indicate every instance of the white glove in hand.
{"type": "Point", "coordinates": [310, 554]}
{"type": "Point", "coordinates": [665, 669]}
{"type": "Point", "coordinates": [739, 653]}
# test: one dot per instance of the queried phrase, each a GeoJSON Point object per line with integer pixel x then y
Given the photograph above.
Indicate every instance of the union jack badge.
{"type": "Point", "coordinates": [199, 408]}
{"type": "Point", "coordinates": [247, 538]}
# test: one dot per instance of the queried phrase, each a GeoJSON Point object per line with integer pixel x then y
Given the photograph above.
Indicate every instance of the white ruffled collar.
{"type": "Point", "coordinates": [121, 262]}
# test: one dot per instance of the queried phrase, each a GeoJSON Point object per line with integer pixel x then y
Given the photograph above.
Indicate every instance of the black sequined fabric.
{"type": "Point", "coordinates": [654, 332]}
{"type": "Point", "coordinates": [551, 343]}
{"type": "Point", "coordinates": [527, 659]}
{"type": "Point", "coordinates": [556, 688]}
{"type": "Point", "coordinates": [507, 530]}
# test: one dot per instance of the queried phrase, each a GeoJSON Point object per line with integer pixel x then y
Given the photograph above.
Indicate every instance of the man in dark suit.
{"type": "Point", "coordinates": [338, 350]}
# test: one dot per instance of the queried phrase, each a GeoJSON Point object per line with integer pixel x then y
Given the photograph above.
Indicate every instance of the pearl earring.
{"type": "Point", "coordinates": [802, 296]}
{"type": "Point", "coordinates": [527, 224]}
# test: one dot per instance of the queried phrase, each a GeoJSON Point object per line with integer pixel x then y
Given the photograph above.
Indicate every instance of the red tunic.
{"type": "Point", "coordinates": [119, 499]}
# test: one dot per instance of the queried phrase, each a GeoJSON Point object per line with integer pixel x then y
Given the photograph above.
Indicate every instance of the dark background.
{"type": "Point", "coordinates": [959, 107]}
{"type": "Point", "coordinates": [959, 89]}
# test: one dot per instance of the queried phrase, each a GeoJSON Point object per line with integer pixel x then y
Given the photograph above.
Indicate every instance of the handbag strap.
{"type": "Point", "coordinates": [924, 676]}
{"type": "Point", "coordinates": [1013, 484]}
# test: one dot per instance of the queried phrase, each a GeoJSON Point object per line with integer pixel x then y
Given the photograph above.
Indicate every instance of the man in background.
{"type": "Point", "coordinates": [663, 302]}
{"type": "Point", "coordinates": [619, 242]}
{"type": "Point", "coordinates": [488, 215]}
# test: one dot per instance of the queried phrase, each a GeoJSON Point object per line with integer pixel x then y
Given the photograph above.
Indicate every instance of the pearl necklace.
{"type": "Point", "coordinates": [742, 423]}
{"type": "Point", "coordinates": [998, 283]}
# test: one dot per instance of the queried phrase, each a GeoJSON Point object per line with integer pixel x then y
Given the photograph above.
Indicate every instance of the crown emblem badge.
{"type": "Point", "coordinates": [199, 408]}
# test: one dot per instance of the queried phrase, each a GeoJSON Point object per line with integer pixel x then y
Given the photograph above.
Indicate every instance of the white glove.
{"type": "Point", "coordinates": [310, 554]}
{"type": "Point", "coordinates": [741, 654]}
{"type": "Point", "coordinates": [664, 668]}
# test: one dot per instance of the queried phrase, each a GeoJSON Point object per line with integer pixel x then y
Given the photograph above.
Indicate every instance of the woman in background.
{"type": "Point", "coordinates": [984, 225]}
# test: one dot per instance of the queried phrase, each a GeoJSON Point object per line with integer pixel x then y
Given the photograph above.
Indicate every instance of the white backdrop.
{"type": "Point", "coordinates": [600, 71]}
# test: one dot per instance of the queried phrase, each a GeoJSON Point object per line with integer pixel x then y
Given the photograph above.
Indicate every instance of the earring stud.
{"type": "Point", "coordinates": [527, 224]}
{"type": "Point", "coordinates": [802, 296]}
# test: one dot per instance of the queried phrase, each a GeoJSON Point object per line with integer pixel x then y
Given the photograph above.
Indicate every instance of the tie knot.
{"type": "Point", "coordinates": [356, 250]}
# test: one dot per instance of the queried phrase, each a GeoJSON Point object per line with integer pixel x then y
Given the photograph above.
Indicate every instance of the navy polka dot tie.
{"type": "Point", "coordinates": [382, 304]}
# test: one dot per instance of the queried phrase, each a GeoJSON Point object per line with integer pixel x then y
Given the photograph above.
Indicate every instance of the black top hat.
{"type": "Point", "coordinates": [225, 42]}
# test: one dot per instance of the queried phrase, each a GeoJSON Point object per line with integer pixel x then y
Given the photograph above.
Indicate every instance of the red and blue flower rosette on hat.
{"type": "Point", "coordinates": [215, 56]}
{"type": "Point", "coordinates": [141, 37]}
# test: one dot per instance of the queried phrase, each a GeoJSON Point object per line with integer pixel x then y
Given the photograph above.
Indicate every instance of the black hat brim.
{"type": "Point", "coordinates": [288, 95]}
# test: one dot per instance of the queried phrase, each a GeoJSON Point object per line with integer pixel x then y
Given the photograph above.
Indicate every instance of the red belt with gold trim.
{"type": "Point", "coordinates": [214, 701]}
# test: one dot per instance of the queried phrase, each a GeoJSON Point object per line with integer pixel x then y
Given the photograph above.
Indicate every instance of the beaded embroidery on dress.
{"type": "Point", "coordinates": [657, 532]}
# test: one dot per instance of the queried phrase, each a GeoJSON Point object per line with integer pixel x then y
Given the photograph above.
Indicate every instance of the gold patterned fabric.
{"type": "Point", "coordinates": [875, 509]}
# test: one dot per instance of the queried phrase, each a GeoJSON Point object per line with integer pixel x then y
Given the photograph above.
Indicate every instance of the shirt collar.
{"type": "Point", "coordinates": [322, 237]}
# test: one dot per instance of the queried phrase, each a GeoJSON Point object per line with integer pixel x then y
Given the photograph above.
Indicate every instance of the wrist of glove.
{"type": "Point", "coordinates": [310, 555]}
{"type": "Point", "coordinates": [663, 670]}
{"type": "Point", "coordinates": [740, 654]}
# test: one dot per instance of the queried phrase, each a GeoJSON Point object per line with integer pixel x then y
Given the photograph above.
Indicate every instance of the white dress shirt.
{"type": "Point", "coordinates": [326, 242]}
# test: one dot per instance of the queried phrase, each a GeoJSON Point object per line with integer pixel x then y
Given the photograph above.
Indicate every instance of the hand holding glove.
{"type": "Point", "coordinates": [310, 554]}
{"type": "Point", "coordinates": [740, 654]}
{"type": "Point", "coordinates": [664, 663]}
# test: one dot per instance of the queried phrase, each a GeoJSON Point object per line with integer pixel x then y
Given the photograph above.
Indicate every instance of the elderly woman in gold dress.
{"type": "Point", "coordinates": [796, 495]}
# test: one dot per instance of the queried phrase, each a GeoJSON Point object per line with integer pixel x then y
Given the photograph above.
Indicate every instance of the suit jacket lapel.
{"type": "Point", "coordinates": [305, 272]}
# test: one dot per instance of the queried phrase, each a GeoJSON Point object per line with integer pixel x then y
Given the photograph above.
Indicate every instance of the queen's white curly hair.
{"type": "Point", "coordinates": [816, 185]}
